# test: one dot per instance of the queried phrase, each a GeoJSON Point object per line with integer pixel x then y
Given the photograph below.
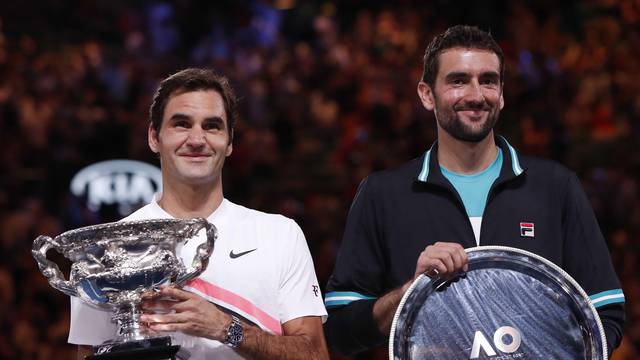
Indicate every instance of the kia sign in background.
{"type": "Point", "coordinates": [125, 183]}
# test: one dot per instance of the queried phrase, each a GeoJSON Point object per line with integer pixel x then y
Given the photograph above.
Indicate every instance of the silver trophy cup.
{"type": "Point", "coordinates": [117, 265]}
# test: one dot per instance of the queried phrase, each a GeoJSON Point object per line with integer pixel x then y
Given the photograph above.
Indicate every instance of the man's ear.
{"type": "Point", "coordinates": [502, 96]}
{"type": "Point", "coordinates": [229, 149]}
{"type": "Point", "coordinates": [230, 144]}
{"type": "Point", "coordinates": [426, 96]}
{"type": "Point", "coordinates": [152, 138]}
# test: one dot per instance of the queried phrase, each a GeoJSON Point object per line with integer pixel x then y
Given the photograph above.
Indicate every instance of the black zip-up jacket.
{"type": "Point", "coordinates": [397, 213]}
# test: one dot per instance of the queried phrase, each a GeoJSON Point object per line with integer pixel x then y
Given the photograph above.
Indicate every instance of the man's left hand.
{"type": "Point", "coordinates": [186, 312]}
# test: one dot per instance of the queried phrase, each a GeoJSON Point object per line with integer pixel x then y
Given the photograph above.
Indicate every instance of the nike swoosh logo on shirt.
{"type": "Point", "coordinates": [237, 255]}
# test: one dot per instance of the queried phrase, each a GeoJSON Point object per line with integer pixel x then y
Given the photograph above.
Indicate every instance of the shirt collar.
{"type": "Point", "coordinates": [215, 217]}
{"type": "Point", "coordinates": [512, 165]}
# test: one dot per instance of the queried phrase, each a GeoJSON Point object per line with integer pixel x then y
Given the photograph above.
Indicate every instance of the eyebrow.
{"type": "Point", "coordinates": [181, 116]}
{"type": "Point", "coordinates": [215, 119]}
{"type": "Point", "coordinates": [491, 75]}
{"type": "Point", "coordinates": [460, 74]}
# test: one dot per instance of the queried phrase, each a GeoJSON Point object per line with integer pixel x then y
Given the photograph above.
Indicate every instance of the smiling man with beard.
{"type": "Point", "coordinates": [470, 188]}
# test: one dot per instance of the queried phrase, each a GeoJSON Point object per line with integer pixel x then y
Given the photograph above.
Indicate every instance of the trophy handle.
{"type": "Point", "coordinates": [48, 268]}
{"type": "Point", "coordinates": [203, 252]}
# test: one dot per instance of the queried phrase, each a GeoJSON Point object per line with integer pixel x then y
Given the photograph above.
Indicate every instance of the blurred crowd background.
{"type": "Point", "coordinates": [328, 96]}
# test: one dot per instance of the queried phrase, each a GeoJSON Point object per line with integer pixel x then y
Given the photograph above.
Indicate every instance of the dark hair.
{"type": "Point", "coordinates": [188, 80]}
{"type": "Point", "coordinates": [459, 36]}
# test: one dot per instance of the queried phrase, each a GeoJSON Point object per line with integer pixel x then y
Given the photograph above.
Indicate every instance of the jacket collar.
{"type": "Point", "coordinates": [512, 165]}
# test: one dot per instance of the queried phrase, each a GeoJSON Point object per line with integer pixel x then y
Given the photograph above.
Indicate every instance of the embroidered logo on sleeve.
{"type": "Point", "coordinates": [527, 229]}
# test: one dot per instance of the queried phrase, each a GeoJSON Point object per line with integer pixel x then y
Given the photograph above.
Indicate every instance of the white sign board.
{"type": "Point", "coordinates": [123, 182]}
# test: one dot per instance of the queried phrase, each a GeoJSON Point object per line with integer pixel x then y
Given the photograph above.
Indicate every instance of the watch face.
{"type": "Point", "coordinates": [235, 333]}
{"type": "Point", "coordinates": [510, 304]}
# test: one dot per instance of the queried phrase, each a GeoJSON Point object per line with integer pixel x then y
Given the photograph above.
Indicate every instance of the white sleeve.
{"type": "Point", "coordinates": [89, 325]}
{"type": "Point", "coordinates": [299, 294]}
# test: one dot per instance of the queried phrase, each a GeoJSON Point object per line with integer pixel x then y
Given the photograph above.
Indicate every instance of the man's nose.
{"type": "Point", "coordinates": [196, 136]}
{"type": "Point", "coordinates": [474, 93]}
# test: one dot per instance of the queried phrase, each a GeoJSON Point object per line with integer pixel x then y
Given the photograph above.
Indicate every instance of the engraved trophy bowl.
{"type": "Point", "coordinates": [117, 265]}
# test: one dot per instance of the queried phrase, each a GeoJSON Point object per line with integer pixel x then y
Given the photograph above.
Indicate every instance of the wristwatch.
{"type": "Point", "coordinates": [235, 333]}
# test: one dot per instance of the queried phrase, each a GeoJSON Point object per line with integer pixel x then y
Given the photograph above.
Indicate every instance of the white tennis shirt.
{"type": "Point", "coordinates": [269, 286]}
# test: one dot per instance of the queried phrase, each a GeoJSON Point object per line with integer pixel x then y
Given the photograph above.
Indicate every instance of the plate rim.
{"type": "Point", "coordinates": [476, 249]}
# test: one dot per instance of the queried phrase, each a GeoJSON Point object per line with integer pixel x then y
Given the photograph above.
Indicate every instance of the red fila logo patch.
{"type": "Point", "coordinates": [527, 229]}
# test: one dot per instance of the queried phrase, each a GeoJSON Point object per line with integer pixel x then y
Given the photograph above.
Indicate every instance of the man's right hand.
{"type": "Point", "coordinates": [443, 259]}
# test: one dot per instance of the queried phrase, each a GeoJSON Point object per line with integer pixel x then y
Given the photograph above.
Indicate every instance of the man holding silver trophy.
{"type": "Point", "coordinates": [258, 298]}
{"type": "Point", "coordinates": [471, 188]}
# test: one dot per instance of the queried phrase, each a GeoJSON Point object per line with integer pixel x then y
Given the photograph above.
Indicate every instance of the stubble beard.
{"type": "Point", "coordinates": [456, 128]}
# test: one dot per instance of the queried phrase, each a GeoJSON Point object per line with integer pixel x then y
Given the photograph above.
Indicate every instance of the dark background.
{"type": "Point", "coordinates": [328, 96]}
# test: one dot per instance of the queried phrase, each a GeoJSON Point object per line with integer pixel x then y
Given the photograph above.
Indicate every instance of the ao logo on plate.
{"type": "Point", "coordinates": [481, 342]}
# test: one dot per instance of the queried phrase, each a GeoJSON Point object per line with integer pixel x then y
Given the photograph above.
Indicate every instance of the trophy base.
{"type": "Point", "coordinates": [148, 349]}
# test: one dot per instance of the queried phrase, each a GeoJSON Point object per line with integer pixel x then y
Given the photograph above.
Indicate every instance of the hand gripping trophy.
{"type": "Point", "coordinates": [117, 265]}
